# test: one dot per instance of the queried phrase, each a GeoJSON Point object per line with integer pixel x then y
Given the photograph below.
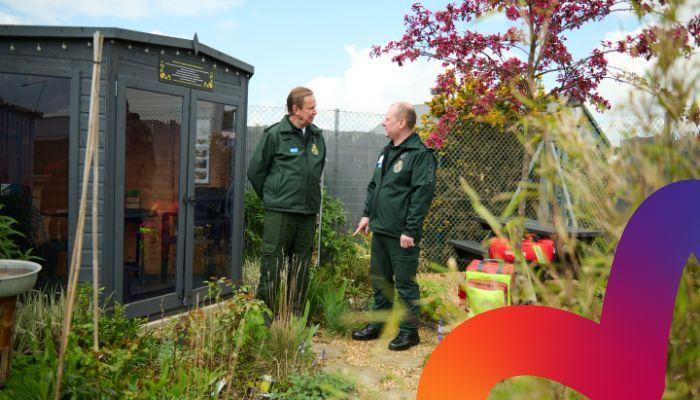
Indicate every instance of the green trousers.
{"type": "Point", "coordinates": [287, 244]}
{"type": "Point", "coordinates": [393, 267]}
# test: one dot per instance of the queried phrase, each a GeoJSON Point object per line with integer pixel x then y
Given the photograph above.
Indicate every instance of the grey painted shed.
{"type": "Point", "coordinates": [172, 158]}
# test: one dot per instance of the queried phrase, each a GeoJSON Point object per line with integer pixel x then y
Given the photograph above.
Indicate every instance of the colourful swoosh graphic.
{"type": "Point", "coordinates": [622, 357]}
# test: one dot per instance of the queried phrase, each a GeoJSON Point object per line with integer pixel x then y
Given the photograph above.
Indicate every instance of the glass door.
{"type": "Point", "coordinates": [152, 141]}
{"type": "Point", "coordinates": [210, 192]}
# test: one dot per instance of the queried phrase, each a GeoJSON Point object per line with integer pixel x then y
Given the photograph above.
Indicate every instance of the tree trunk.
{"type": "Point", "coordinates": [527, 292]}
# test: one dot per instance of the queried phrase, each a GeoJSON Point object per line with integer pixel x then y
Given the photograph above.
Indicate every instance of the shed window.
{"type": "Point", "coordinates": [34, 147]}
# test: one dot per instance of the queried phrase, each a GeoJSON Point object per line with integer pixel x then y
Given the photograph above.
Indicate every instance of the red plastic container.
{"type": "Point", "coordinates": [499, 248]}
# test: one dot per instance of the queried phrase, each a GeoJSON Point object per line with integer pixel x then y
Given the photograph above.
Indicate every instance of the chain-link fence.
{"type": "Point", "coordinates": [353, 142]}
{"type": "Point", "coordinates": [488, 158]}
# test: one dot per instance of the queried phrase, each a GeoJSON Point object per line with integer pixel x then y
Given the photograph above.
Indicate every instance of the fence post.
{"type": "Point", "coordinates": [336, 134]}
{"type": "Point", "coordinates": [320, 225]}
{"type": "Point", "coordinates": [336, 122]}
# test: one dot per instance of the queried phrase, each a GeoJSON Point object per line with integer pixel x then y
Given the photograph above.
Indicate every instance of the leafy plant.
{"type": "Point", "coordinates": [39, 314]}
{"type": "Point", "coordinates": [86, 375]}
{"type": "Point", "coordinates": [330, 307]}
{"type": "Point", "coordinates": [336, 247]}
{"type": "Point", "coordinates": [254, 216]}
{"type": "Point", "coordinates": [9, 248]}
{"type": "Point", "coordinates": [344, 258]}
{"type": "Point", "coordinates": [33, 375]}
{"type": "Point", "coordinates": [202, 354]}
{"type": "Point", "coordinates": [434, 305]}
{"type": "Point", "coordinates": [287, 349]}
{"type": "Point", "coordinates": [317, 387]}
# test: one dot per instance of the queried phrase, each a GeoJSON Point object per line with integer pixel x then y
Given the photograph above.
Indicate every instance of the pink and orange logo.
{"type": "Point", "coordinates": [622, 357]}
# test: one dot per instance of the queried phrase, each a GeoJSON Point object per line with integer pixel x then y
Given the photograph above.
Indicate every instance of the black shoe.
{"type": "Point", "coordinates": [369, 332]}
{"type": "Point", "coordinates": [404, 341]}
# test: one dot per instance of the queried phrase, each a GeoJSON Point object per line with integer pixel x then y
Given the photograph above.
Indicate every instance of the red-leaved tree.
{"type": "Point", "coordinates": [507, 68]}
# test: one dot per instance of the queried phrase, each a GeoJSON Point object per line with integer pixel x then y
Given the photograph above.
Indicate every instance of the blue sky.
{"type": "Point", "coordinates": [321, 44]}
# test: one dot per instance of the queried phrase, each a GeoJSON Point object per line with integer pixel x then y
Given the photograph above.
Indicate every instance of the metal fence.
{"type": "Point", "coordinates": [487, 157]}
{"type": "Point", "coordinates": [490, 159]}
{"type": "Point", "coordinates": [353, 142]}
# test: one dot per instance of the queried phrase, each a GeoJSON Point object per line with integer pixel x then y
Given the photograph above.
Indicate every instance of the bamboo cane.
{"type": "Point", "coordinates": [95, 196]}
{"type": "Point", "coordinates": [93, 123]}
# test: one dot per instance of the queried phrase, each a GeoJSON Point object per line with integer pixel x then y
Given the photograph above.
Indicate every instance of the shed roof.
{"type": "Point", "coordinates": [71, 32]}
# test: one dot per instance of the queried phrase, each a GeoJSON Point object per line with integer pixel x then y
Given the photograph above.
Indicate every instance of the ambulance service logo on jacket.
{"type": "Point", "coordinates": [314, 149]}
{"type": "Point", "coordinates": [398, 166]}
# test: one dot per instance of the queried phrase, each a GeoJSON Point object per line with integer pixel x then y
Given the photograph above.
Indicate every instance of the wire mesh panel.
{"type": "Point", "coordinates": [352, 156]}
{"type": "Point", "coordinates": [353, 142]}
{"type": "Point", "coordinates": [488, 158]}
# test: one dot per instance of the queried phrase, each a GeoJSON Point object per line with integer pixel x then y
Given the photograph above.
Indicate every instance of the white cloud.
{"type": "Point", "coordinates": [61, 10]}
{"type": "Point", "coordinates": [688, 10]}
{"type": "Point", "coordinates": [616, 92]}
{"type": "Point", "coordinates": [619, 93]}
{"type": "Point", "coordinates": [373, 84]}
{"type": "Point", "coordinates": [7, 19]}
{"type": "Point", "coordinates": [626, 101]}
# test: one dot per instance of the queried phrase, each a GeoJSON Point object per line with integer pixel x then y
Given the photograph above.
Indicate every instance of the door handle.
{"type": "Point", "coordinates": [189, 199]}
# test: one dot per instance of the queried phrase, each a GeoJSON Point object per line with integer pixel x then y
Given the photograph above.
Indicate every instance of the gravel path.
{"type": "Point", "coordinates": [378, 372]}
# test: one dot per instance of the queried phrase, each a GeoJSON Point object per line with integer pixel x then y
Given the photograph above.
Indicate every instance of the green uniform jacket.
{"type": "Point", "coordinates": [398, 201]}
{"type": "Point", "coordinates": [286, 168]}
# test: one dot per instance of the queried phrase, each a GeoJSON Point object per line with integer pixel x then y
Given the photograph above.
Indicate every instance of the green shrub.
{"type": "Point", "coordinates": [254, 216]}
{"type": "Point", "coordinates": [318, 387]}
{"type": "Point", "coordinates": [218, 341]}
{"type": "Point", "coordinates": [33, 375]}
{"type": "Point", "coordinates": [202, 354]}
{"type": "Point", "coordinates": [329, 305]}
{"type": "Point", "coordinates": [343, 257]}
{"type": "Point", "coordinates": [336, 246]}
{"type": "Point", "coordinates": [286, 350]}
{"type": "Point", "coordinates": [38, 314]}
{"type": "Point", "coordinates": [123, 352]}
{"type": "Point", "coordinates": [115, 328]}
{"type": "Point", "coordinates": [434, 307]}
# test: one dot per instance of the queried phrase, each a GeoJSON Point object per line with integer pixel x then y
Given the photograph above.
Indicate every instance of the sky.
{"type": "Point", "coordinates": [321, 44]}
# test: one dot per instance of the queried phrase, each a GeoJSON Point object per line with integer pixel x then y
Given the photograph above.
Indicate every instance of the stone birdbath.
{"type": "Point", "coordinates": [16, 277]}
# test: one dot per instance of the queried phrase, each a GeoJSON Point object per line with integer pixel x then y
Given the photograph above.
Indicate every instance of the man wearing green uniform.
{"type": "Point", "coordinates": [285, 171]}
{"type": "Point", "coordinates": [398, 197]}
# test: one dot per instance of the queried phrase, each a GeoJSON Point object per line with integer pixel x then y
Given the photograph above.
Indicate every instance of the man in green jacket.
{"type": "Point", "coordinates": [398, 198]}
{"type": "Point", "coordinates": [285, 171]}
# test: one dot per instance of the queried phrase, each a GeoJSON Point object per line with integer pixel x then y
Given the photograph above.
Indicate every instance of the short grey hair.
{"type": "Point", "coordinates": [407, 112]}
{"type": "Point", "coordinates": [296, 98]}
